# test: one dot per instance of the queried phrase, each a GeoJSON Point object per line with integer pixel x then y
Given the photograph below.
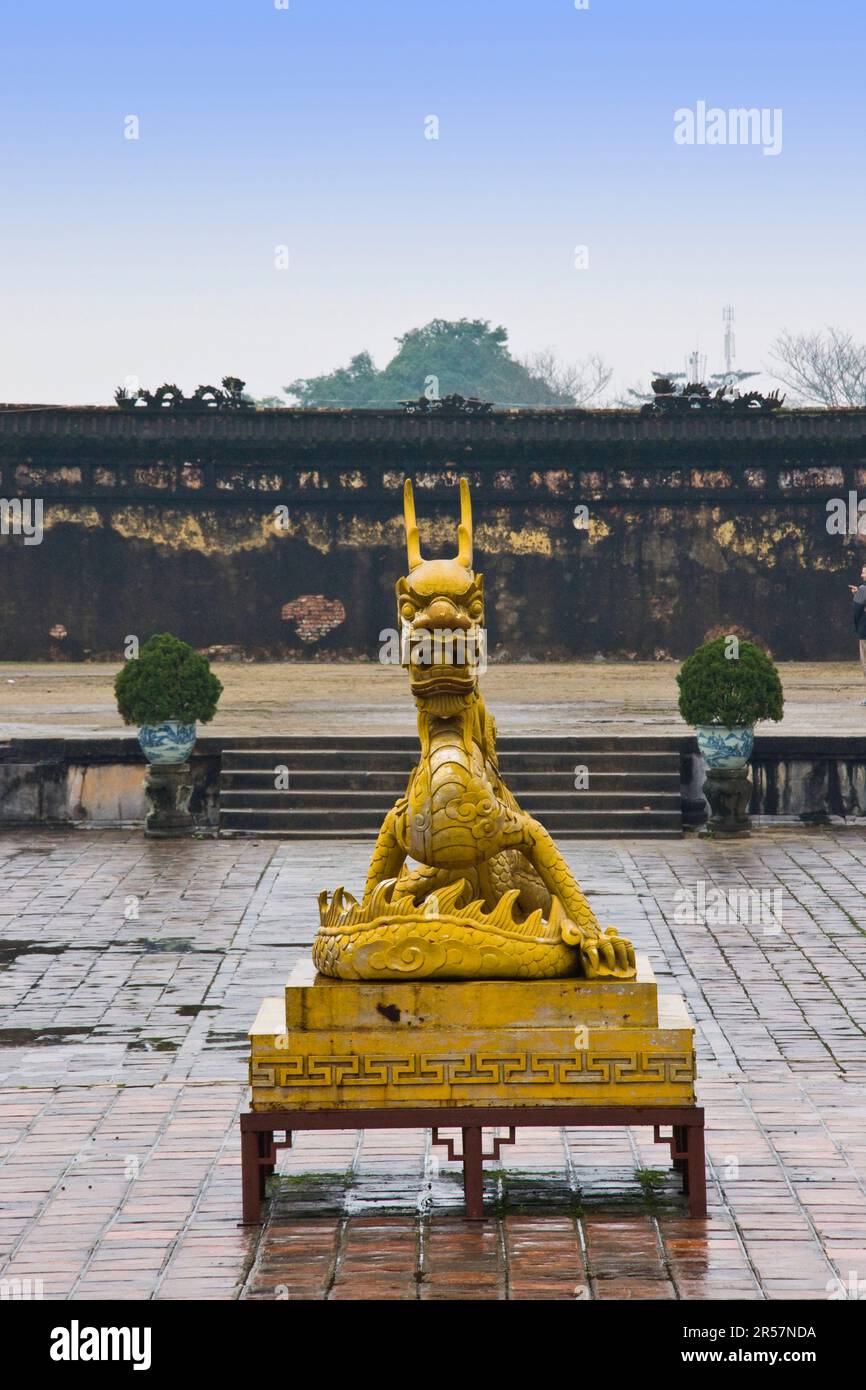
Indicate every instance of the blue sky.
{"type": "Point", "coordinates": [262, 127]}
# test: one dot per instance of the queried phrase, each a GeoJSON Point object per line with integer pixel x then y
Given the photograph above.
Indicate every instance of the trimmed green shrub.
{"type": "Point", "coordinates": [732, 691]}
{"type": "Point", "coordinates": [167, 680]}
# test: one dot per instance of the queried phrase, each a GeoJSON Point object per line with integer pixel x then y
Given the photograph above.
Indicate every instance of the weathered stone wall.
{"type": "Point", "coordinates": [95, 781]}
{"type": "Point", "coordinates": [99, 781]}
{"type": "Point", "coordinates": [158, 521]}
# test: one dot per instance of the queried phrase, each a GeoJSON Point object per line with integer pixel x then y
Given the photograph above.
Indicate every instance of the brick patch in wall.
{"type": "Point", "coordinates": [314, 615]}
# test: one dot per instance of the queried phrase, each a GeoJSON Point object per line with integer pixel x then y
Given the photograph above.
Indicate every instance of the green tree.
{"type": "Point", "coordinates": [168, 679]}
{"type": "Point", "coordinates": [733, 686]}
{"type": "Point", "coordinates": [466, 357]}
{"type": "Point", "coordinates": [355, 385]}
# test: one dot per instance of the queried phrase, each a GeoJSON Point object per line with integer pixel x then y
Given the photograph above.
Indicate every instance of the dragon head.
{"type": "Point", "coordinates": [440, 613]}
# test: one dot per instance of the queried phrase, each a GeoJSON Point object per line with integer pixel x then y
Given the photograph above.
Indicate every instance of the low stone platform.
{"type": "Point", "coordinates": [370, 1045]}
{"type": "Point", "coordinates": [476, 1054]}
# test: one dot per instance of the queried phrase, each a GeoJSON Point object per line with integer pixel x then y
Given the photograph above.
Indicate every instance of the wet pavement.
{"type": "Point", "coordinates": [130, 971]}
{"type": "Point", "coordinates": [600, 697]}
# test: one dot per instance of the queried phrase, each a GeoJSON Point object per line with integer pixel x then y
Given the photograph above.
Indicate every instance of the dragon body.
{"type": "Point", "coordinates": [488, 895]}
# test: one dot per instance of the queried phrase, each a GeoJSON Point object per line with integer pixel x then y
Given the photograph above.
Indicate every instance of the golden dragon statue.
{"type": "Point", "coordinates": [488, 896]}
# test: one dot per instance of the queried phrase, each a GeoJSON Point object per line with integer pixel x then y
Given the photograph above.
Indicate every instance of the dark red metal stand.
{"type": "Point", "coordinates": [686, 1140]}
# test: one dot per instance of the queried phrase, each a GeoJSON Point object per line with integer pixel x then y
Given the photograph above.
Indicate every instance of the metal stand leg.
{"type": "Point", "coordinates": [696, 1174]}
{"type": "Point", "coordinates": [266, 1160]}
{"type": "Point", "coordinates": [473, 1173]}
{"type": "Point", "coordinates": [250, 1180]}
{"type": "Point", "coordinates": [680, 1146]}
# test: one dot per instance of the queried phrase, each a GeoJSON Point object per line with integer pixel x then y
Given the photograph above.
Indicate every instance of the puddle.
{"type": "Point", "coordinates": [10, 950]}
{"type": "Point", "coordinates": [506, 1193]}
{"type": "Point", "coordinates": [225, 1039]}
{"type": "Point", "coordinates": [152, 945]}
{"type": "Point", "coordinates": [39, 1037]}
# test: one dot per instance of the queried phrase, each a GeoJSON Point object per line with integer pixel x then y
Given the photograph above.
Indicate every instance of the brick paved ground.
{"type": "Point", "coordinates": [129, 972]}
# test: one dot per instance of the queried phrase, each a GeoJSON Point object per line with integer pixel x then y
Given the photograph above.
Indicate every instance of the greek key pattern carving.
{"type": "Point", "coordinates": [587, 1068]}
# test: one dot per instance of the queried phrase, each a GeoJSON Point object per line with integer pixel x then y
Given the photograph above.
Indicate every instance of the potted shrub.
{"type": "Point", "coordinates": [166, 690]}
{"type": "Point", "coordinates": [726, 687]}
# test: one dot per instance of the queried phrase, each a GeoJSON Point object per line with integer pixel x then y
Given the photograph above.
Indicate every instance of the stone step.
{"type": "Point", "coordinates": [377, 802]}
{"type": "Point", "coordinates": [343, 786]}
{"type": "Point", "coordinates": [396, 760]}
{"type": "Point", "coordinates": [361, 820]}
{"type": "Point", "coordinates": [394, 783]}
{"type": "Point", "coordinates": [362, 837]}
{"type": "Point", "coordinates": [504, 742]}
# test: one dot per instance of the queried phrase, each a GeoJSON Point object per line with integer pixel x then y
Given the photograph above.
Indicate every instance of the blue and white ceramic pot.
{"type": "Point", "coordinates": [168, 743]}
{"type": "Point", "coordinates": [721, 747]}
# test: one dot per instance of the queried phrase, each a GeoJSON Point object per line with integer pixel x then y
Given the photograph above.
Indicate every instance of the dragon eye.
{"type": "Point", "coordinates": [407, 612]}
{"type": "Point", "coordinates": [476, 608]}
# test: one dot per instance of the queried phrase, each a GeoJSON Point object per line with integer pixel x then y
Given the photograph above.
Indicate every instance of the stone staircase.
{"type": "Point", "coordinates": [340, 787]}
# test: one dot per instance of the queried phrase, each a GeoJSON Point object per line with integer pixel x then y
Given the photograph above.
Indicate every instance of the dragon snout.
{"type": "Point", "coordinates": [444, 615]}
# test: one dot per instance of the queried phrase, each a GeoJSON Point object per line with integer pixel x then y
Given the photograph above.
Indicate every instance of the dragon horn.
{"type": "Point", "coordinates": [464, 530]}
{"type": "Point", "coordinates": [413, 540]}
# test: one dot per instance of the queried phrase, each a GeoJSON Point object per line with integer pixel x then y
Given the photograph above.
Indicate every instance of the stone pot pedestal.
{"type": "Point", "coordinates": [169, 788]}
{"type": "Point", "coordinates": [729, 792]}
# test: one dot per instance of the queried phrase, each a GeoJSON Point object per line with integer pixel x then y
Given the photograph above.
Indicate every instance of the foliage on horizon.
{"type": "Point", "coordinates": [468, 358]}
{"type": "Point", "coordinates": [168, 679]}
{"type": "Point", "coordinates": [733, 692]}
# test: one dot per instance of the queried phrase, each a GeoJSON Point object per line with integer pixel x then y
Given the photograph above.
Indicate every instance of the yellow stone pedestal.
{"type": "Point", "coordinates": [373, 1044]}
